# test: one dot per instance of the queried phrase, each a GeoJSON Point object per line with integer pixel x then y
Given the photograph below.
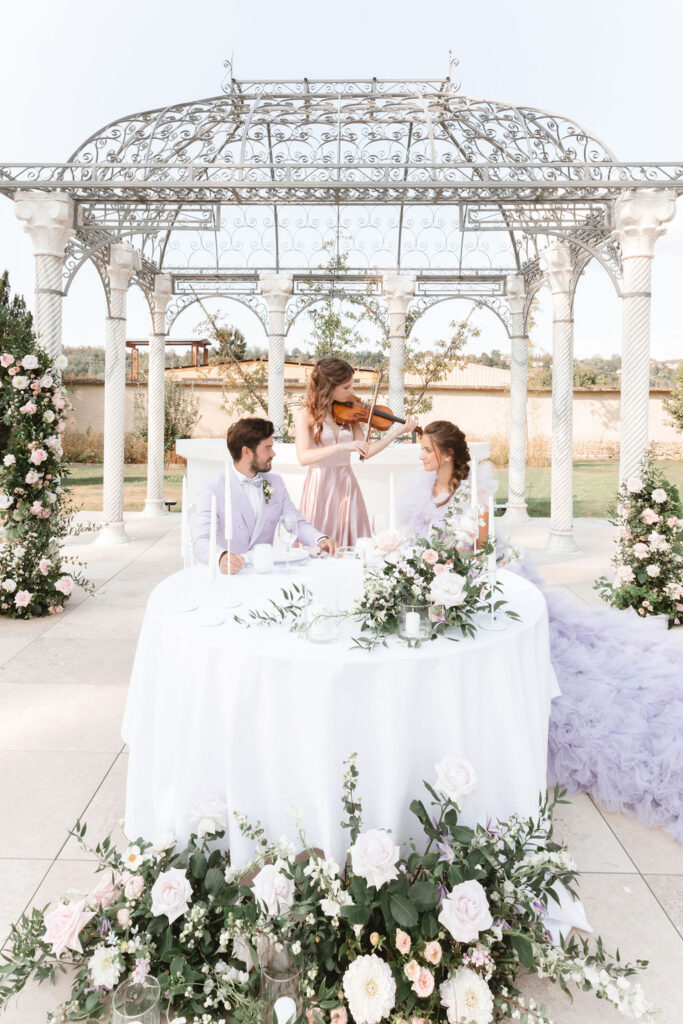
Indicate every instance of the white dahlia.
{"type": "Point", "coordinates": [467, 998]}
{"type": "Point", "coordinates": [370, 989]}
{"type": "Point", "coordinates": [105, 966]}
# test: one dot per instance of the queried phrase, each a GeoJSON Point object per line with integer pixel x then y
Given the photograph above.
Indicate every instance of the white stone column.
{"type": "Point", "coordinates": [557, 265]}
{"type": "Point", "coordinates": [276, 290]}
{"type": "Point", "coordinates": [156, 384]}
{"type": "Point", "coordinates": [48, 219]}
{"type": "Point", "coordinates": [519, 359]}
{"type": "Point", "coordinates": [640, 219]}
{"type": "Point", "coordinates": [398, 290]}
{"type": "Point", "coordinates": [123, 262]}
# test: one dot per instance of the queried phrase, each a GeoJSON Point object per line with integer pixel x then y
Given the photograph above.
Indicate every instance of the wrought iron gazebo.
{"type": "Point", "coordinates": [429, 194]}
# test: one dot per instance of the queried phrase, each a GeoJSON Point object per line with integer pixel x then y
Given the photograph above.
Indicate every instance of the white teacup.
{"type": "Point", "coordinates": [263, 557]}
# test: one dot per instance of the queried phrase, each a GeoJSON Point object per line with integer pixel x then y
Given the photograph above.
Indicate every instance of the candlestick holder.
{"type": "Point", "coordinates": [209, 614]}
{"type": "Point", "coordinates": [490, 621]}
{"type": "Point", "coordinates": [227, 589]}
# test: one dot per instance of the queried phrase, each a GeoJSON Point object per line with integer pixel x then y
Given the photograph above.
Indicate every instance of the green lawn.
{"type": "Point", "coordinates": [595, 485]}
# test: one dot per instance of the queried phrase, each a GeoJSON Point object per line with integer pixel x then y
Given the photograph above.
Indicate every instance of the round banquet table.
{"type": "Point", "coordinates": [264, 719]}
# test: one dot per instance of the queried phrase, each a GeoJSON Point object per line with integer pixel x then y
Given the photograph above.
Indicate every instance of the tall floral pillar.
{"type": "Point", "coordinates": [48, 219]}
{"type": "Point", "coordinates": [123, 262]}
{"type": "Point", "coordinates": [558, 268]}
{"type": "Point", "coordinates": [276, 290]}
{"type": "Point", "coordinates": [398, 290]}
{"type": "Point", "coordinates": [516, 296]}
{"type": "Point", "coordinates": [640, 219]}
{"type": "Point", "coordinates": [156, 380]}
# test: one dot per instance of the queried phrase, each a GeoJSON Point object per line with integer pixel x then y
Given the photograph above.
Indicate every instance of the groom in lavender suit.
{"type": "Point", "coordinates": [258, 496]}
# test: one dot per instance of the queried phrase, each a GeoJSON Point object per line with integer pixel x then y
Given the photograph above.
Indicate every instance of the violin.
{"type": "Point", "coordinates": [354, 411]}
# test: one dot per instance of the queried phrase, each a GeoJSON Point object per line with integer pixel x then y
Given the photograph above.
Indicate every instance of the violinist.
{"type": "Point", "coordinates": [331, 497]}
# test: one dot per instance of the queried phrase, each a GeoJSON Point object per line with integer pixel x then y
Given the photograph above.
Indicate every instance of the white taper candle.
{"type": "Point", "coordinates": [184, 532]}
{"type": "Point", "coordinates": [228, 501]}
{"type": "Point", "coordinates": [212, 539]}
{"type": "Point", "coordinates": [492, 535]}
{"type": "Point", "coordinates": [392, 502]}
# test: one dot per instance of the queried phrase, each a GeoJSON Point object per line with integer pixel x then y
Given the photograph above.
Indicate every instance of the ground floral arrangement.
{"type": "Point", "coordinates": [649, 557]}
{"type": "Point", "coordinates": [436, 571]}
{"type": "Point", "coordinates": [439, 934]}
{"type": "Point", "coordinates": [35, 516]}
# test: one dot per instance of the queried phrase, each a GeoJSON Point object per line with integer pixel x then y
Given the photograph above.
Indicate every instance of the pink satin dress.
{"type": "Point", "coordinates": [331, 499]}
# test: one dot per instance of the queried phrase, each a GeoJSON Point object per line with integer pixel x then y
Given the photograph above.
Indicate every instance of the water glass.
{"type": "Point", "coordinates": [263, 557]}
{"type": "Point", "coordinates": [287, 528]}
{"type": "Point", "coordinates": [136, 1002]}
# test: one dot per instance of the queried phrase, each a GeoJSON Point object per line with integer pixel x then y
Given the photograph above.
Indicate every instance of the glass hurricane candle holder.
{"type": "Point", "coordinates": [280, 991]}
{"type": "Point", "coordinates": [414, 622]}
{"type": "Point", "coordinates": [136, 1002]}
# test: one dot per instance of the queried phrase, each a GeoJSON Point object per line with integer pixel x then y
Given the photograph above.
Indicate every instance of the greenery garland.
{"type": "Point", "coordinates": [649, 556]}
{"type": "Point", "coordinates": [35, 514]}
{"type": "Point", "coordinates": [440, 934]}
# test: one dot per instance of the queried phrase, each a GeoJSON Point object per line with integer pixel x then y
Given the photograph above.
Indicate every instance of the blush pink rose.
{"type": "Point", "coordinates": [389, 541]}
{"type": "Point", "coordinates": [649, 516]}
{"type": "Point", "coordinates": [22, 598]}
{"type": "Point", "coordinates": [412, 970]}
{"type": "Point", "coordinates": [133, 887]}
{"type": "Point", "coordinates": [465, 913]}
{"type": "Point", "coordinates": [433, 953]}
{"type": "Point", "coordinates": [64, 585]}
{"type": "Point", "coordinates": [64, 924]}
{"type": "Point", "coordinates": [6, 359]}
{"type": "Point", "coordinates": [438, 569]}
{"type": "Point", "coordinates": [38, 456]}
{"type": "Point", "coordinates": [403, 942]}
{"type": "Point", "coordinates": [430, 556]}
{"type": "Point", "coordinates": [424, 984]}
{"type": "Point", "coordinates": [58, 403]}
{"type": "Point", "coordinates": [641, 550]}
{"type": "Point", "coordinates": [44, 566]}
{"type": "Point", "coordinates": [123, 917]}
{"type": "Point", "coordinates": [339, 1015]}
{"type": "Point", "coordinates": [29, 408]}
{"type": "Point", "coordinates": [106, 892]}
{"type": "Point", "coordinates": [672, 521]}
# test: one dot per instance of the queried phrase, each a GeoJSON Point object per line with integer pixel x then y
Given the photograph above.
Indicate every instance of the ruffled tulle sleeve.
{"type": "Point", "coordinates": [487, 480]}
{"type": "Point", "coordinates": [414, 504]}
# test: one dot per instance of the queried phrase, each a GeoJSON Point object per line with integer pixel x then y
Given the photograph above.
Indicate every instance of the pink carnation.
{"type": "Point", "coordinates": [38, 456]}
{"type": "Point", "coordinates": [64, 585]}
{"type": "Point", "coordinates": [64, 924]}
{"type": "Point", "coordinates": [22, 598]}
{"type": "Point", "coordinates": [29, 408]}
{"type": "Point", "coordinates": [424, 983]}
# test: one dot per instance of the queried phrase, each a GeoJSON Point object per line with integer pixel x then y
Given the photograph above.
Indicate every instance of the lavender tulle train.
{"type": "Point", "coordinates": [617, 730]}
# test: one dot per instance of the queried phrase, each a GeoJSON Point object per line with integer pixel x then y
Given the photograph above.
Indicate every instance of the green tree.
{"type": "Point", "coordinates": [229, 342]}
{"type": "Point", "coordinates": [181, 412]}
{"type": "Point", "coordinates": [674, 404]}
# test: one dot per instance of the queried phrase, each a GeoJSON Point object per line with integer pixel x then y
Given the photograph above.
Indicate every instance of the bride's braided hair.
{"type": "Point", "coordinates": [450, 440]}
{"type": "Point", "coordinates": [327, 373]}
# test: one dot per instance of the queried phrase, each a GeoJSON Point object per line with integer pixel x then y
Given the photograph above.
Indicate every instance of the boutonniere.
{"type": "Point", "coordinates": [267, 491]}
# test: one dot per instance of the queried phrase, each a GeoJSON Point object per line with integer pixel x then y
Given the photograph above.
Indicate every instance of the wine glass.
{"type": "Point", "coordinates": [380, 523]}
{"type": "Point", "coordinates": [288, 528]}
{"type": "Point", "coordinates": [137, 1001]}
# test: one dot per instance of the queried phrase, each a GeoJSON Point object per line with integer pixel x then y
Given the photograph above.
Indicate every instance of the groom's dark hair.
{"type": "Point", "coordinates": [247, 433]}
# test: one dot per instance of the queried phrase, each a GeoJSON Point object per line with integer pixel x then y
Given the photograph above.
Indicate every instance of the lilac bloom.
{"type": "Point", "coordinates": [446, 852]}
{"type": "Point", "coordinates": [103, 927]}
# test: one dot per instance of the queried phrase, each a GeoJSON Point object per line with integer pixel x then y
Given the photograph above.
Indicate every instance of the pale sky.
{"type": "Point", "coordinates": [67, 67]}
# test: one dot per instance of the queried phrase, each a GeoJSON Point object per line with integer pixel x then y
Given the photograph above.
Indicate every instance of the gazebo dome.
{"type": "Point", "coordinates": [342, 123]}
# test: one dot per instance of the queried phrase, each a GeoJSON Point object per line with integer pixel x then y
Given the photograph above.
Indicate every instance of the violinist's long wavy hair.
{"type": "Point", "coordinates": [450, 440]}
{"type": "Point", "coordinates": [326, 375]}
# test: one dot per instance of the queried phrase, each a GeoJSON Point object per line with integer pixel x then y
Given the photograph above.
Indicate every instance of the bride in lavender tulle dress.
{"type": "Point", "coordinates": [617, 730]}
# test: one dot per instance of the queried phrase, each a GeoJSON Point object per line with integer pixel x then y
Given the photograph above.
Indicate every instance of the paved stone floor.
{"type": "Point", "coordinates": [62, 691]}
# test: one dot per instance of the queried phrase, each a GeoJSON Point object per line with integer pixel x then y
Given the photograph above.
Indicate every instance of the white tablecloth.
{"type": "Point", "coordinates": [264, 718]}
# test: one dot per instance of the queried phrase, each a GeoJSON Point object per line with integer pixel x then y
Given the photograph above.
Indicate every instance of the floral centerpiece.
{"type": "Point", "coordinates": [649, 555]}
{"type": "Point", "coordinates": [35, 577]}
{"type": "Point", "coordinates": [440, 933]}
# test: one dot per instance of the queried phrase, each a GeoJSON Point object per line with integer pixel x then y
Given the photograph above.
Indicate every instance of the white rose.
{"type": "Point", "coordinates": [9, 460]}
{"type": "Point", "coordinates": [465, 913]}
{"type": "Point", "coordinates": [30, 362]}
{"type": "Point", "coordinates": [61, 362]}
{"type": "Point", "coordinates": [455, 777]}
{"type": "Point", "coordinates": [48, 416]}
{"type": "Point", "coordinates": [274, 889]}
{"type": "Point", "coordinates": [171, 894]}
{"type": "Point", "coordinates": [5, 501]}
{"type": "Point", "coordinates": [448, 589]}
{"type": "Point", "coordinates": [467, 998]}
{"type": "Point", "coordinates": [164, 842]}
{"type": "Point", "coordinates": [46, 381]}
{"type": "Point", "coordinates": [374, 856]}
{"type": "Point", "coordinates": [659, 495]}
{"type": "Point", "coordinates": [634, 485]}
{"type": "Point", "coordinates": [19, 382]}
{"type": "Point", "coordinates": [9, 585]}
{"type": "Point", "coordinates": [388, 541]}
{"type": "Point", "coordinates": [209, 814]}
{"type": "Point", "coordinates": [652, 570]}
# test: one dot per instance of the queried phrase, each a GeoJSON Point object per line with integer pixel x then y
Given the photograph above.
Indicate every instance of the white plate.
{"type": "Point", "coordinates": [295, 555]}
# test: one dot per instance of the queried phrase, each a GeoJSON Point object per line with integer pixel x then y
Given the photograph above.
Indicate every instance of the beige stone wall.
{"type": "Point", "coordinates": [481, 412]}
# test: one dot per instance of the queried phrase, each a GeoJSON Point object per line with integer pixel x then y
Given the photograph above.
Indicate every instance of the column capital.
{"type": "Point", "coordinates": [48, 219]}
{"type": "Point", "coordinates": [515, 292]}
{"type": "Point", "coordinates": [398, 290]}
{"type": "Point", "coordinates": [276, 289]}
{"type": "Point", "coordinates": [558, 267]}
{"type": "Point", "coordinates": [640, 216]}
{"type": "Point", "coordinates": [124, 260]}
{"type": "Point", "coordinates": [163, 290]}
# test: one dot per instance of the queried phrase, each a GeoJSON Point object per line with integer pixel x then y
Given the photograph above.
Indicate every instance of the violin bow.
{"type": "Point", "coordinates": [378, 383]}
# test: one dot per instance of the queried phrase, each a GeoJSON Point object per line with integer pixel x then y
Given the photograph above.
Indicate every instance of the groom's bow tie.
{"type": "Point", "coordinates": [255, 481]}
